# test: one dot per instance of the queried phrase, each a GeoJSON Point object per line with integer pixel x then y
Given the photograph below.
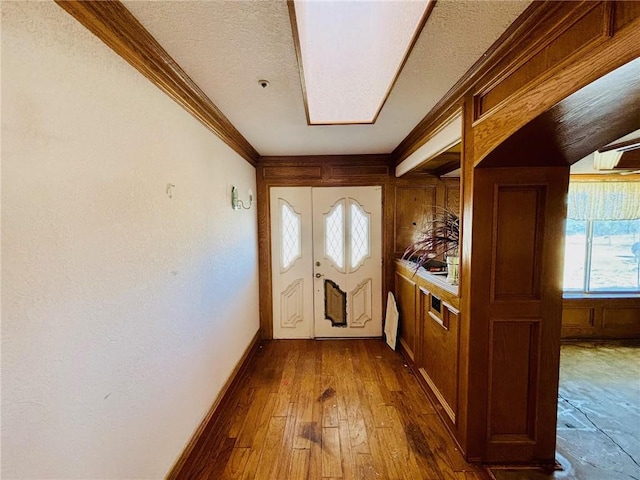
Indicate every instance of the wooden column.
{"type": "Point", "coordinates": [515, 305]}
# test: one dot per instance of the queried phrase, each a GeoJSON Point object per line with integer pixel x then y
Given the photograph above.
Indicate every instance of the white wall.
{"type": "Point", "coordinates": [123, 310]}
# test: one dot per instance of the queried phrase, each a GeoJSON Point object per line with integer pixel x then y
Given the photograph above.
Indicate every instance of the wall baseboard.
{"type": "Point", "coordinates": [182, 464]}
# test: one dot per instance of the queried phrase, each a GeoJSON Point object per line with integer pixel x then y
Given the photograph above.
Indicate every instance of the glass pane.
{"type": "Point", "coordinates": [334, 235]}
{"type": "Point", "coordinates": [615, 255]}
{"type": "Point", "coordinates": [290, 231]}
{"type": "Point", "coordinates": [575, 251]}
{"type": "Point", "coordinates": [359, 235]}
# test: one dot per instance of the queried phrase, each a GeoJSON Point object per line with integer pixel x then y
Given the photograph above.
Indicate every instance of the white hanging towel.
{"type": "Point", "coordinates": [391, 321]}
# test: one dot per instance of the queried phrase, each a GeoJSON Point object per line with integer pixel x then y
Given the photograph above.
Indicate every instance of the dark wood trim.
{"type": "Point", "coordinates": [632, 144]}
{"type": "Point", "coordinates": [183, 463]}
{"type": "Point", "coordinates": [296, 42]}
{"type": "Point", "coordinates": [608, 177]}
{"type": "Point", "coordinates": [112, 23]}
{"type": "Point", "coordinates": [304, 159]}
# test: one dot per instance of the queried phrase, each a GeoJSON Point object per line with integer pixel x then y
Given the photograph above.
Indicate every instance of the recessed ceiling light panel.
{"type": "Point", "coordinates": [351, 53]}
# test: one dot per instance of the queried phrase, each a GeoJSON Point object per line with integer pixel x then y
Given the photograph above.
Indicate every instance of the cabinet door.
{"type": "Point", "coordinates": [406, 293]}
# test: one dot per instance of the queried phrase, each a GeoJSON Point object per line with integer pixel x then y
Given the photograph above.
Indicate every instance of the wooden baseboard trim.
{"type": "Point", "coordinates": [220, 401]}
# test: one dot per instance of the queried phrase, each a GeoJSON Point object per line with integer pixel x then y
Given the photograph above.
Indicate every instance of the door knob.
{"type": "Point", "coordinates": [318, 275]}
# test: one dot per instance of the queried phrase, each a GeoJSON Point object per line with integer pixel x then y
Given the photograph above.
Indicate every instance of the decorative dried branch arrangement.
{"type": "Point", "coordinates": [439, 238]}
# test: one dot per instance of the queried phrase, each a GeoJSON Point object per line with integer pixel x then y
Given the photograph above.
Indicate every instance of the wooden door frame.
{"type": "Point", "coordinates": [320, 171]}
{"type": "Point", "coordinates": [332, 171]}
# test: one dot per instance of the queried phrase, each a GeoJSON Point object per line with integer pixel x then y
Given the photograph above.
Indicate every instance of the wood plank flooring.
{"type": "Point", "coordinates": [331, 409]}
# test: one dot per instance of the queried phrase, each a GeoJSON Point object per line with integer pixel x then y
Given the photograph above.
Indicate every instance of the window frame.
{"type": "Point", "coordinates": [586, 281]}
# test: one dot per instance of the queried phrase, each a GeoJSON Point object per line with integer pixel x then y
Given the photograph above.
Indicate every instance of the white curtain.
{"type": "Point", "coordinates": [604, 200]}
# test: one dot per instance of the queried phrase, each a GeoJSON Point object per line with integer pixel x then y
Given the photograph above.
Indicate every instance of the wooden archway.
{"type": "Point", "coordinates": [516, 156]}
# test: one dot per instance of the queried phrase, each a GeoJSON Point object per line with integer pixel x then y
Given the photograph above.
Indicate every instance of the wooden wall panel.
{"type": "Point", "coordinates": [292, 172]}
{"type": "Point", "coordinates": [452, 197]}
{"type": "Point", "coordinates": [439, 351]}
{"type": "Point", "coordinates": [577, 317]}
{"type": "Point", "coordinates": [625, 13]}
{"type": "Point", "coordinates": [518, 240]}
{"type": "Point", "coordinates": [406, 300]}
{"type": "Point", "coordinates": [620, 318]}
{"type": "Point", "coordinates": [358, 171]}
{"type": "Point", "coordinates": [552, 61]}
{"type": "Point", "coordinates": [591, 25]}
{"type": "Point", "coordinates": [516, 248]}
{"type": "Point", "coordinates": [599, 317]}
{"type": "Point", "coordinates": [515, 352]}
{"type": "Point", "coordinates": [413, 206]}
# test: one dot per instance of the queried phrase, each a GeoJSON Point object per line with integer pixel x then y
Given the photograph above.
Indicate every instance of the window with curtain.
{"type": "Point", "coordinates": [602, 243]}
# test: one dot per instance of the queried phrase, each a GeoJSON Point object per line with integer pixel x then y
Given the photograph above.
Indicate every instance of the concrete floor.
{"type": "Point", "coordinates": [598, 415]}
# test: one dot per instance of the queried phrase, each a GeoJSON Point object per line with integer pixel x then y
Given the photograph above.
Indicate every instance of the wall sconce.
{"type": "Point", "coordinates": [238, 204]}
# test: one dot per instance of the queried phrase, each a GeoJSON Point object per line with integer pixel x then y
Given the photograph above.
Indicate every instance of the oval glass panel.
{"type": "Point", "coordinates": [334, 235]}
{"type": "Point", "coordinates": [290, 242]}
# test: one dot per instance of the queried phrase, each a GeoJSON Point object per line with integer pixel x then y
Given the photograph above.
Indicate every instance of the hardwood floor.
{"type": "Point", "coordinates": [348, 409]}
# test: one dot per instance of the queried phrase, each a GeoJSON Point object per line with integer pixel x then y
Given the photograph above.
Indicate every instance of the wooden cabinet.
{"type": "Point", "coordinates": [430, 335]}
{"type": "Point", "coordinates": [406, 301]}
{"type": "Point", "coordinates": [438, 362]}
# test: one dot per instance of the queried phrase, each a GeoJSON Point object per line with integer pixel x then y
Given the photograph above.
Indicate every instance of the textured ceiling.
{"type": "Point", "coordinates": [227, 46]}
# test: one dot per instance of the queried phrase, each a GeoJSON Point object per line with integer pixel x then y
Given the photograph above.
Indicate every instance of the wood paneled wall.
{"type": "Point", "coordinates": [404, 202]}
{"type": "Point", "coordinates": [416, 203]}
{"type": "Point", "coordinates": [601, 318]}
{"type": "Point", "coordinates": [516, 272]}
{"type": "Point", "coordinates": [512, 218]}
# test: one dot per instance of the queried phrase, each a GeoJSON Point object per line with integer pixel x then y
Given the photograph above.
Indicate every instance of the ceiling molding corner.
{"type": "Point", "coordinates": [511, 39]}
{"type": "Point", "coordinates": [116, 26]}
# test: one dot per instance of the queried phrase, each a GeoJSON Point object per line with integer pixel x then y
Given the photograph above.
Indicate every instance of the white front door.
{"type": "Point", "coordinates": [326, 261]}
{"type": "Point", "coordinates": [347, 253]}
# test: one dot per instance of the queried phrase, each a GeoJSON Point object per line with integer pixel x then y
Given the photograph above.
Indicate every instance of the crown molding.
{"type": "Point", "coordinates": [116, 26]}
{"type": "Point", "coordinates": [537, 14]}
